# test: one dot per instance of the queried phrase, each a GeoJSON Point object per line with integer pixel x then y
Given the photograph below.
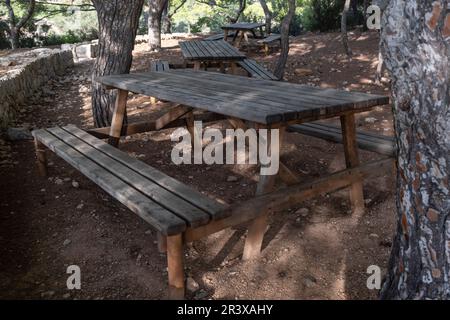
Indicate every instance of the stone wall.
{"type": "Point", "coordinates": [27, 72]}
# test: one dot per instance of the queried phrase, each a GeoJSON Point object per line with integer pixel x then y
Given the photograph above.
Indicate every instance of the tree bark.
{"type": "Point", "coordinates": [416, 48]}
{"type": "Point", "coordinates": [267, 15]}
{"type": "Point", "coordinates": [155, 11]}
{"type": "Point", "coordinates": [285, 24]}
{"type": "Point", "coordinates": [118, 22]}
{"type": "Point", "coordinates": [15, 27]}
{"type": "Point", "coordinates": [347, 49]}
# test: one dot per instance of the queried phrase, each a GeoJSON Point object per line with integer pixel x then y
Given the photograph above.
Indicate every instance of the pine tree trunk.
{"type": "Point", "coordinates": [155, 12]}
{"type": "Point", "coordinates": [416, 47]}
{"type": "Point", "coordinates": [281, 63]}
{"type": "Point", "coordinates": [118, 23]}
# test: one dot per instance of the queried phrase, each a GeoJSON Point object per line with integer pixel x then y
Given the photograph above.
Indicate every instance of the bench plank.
{"type": "Point", "coordinates": [256, 70]}
{"type": "Point", "coordinates": [192, 215]}
{"type": "Point", "coordinates": [271, 38]}
{"type": "Point", "coordinates": [367, 141]}
{"type": "Point", "coordinates": [157, 216]}
{"type": "Point", "coordinates": [215, 209]}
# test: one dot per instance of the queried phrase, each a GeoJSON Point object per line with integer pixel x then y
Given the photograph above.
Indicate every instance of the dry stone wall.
{"type": "Point", "coordinates": [26, 72]}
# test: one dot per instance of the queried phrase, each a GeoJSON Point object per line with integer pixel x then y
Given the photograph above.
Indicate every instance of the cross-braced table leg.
{"type": "Point", "coordinates": [258, 226]}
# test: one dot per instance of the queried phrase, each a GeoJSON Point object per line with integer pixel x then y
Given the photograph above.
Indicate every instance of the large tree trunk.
{"type": "Point", "coordinates": [118, 22]}
{"type": "Point", "coordinates": [416, 46]}
{"type": "Point", "coordinates": [267, 15]}
{"type": "Point", "coordinates": [285, 24]}
{"type": "Point", "coordinates": [347, 49]}
{"type": "Point", "coordinates": [155, 11]}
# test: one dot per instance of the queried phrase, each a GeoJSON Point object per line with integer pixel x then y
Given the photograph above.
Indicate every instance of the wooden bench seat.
{"type": "Point", "coordinates": [165, 203]}
{"type": "Point", "coordinates": [256, 70]}
{"type": "Point", "coordinates": [367, 141]}
{"type": "Point", "coordinates": [218, 36]}
{"type": "Point", "coordinates": [159, 65]}
{"type": "Point", "coordinates": [169, 206]}
{"type": "Point", "coordinates": [268, 41]}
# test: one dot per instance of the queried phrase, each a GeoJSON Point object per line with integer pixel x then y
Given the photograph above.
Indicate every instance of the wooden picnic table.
{"type": "Point", "coordinates": [241, 29]}
{"type": "Point", "coordinates": [221, 52]}
{"type": "Point", "coordinates": [245, 103]}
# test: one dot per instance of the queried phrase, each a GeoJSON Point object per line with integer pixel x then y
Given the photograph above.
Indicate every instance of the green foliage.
{"type": "Point", "coordinates": [322, 15]}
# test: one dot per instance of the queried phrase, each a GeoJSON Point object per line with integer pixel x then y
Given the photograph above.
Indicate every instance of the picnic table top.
{"type": "Point", "coordinates": [210, 50]}
{"type": "Point", "coordinates": [260, 101]}
{"type": "Point", "coordinates": [243, 26]}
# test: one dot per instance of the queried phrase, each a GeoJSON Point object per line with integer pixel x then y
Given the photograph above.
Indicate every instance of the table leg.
{"type": "Point", "coordinates": [258, 226]}
{"type": "Point", "coordinates": [175, 266]}
{"type": "Point", "coordinates": [41, 157]}
{"type": "Point", "coordinates": [235, 36]}
{"type": "Point", "coordinates": [118, 116]}
{"type": "Point", "coordinates": [233, 68]}
{"type": "Point", "coordinates": [238, 44]}
{"type": "Point", "coordinates": [222, 66]}
{"type": "Point", "coordinates": [352, 160]}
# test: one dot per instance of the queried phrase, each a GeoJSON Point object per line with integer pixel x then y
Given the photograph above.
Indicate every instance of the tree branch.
{"type": "Point", "coordinates": [177, 8]}
{"type": "Point", "coordinates": [28, 15]}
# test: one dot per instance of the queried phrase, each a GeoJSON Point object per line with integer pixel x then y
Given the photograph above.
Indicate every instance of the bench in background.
{"type": "Point", "coordinates": [255, 70]}
{"type": "Point", "coordinates": [367, 141]}
{"type": "Point", "coordinates": [218, 36]}
{"type": "Point", "coordinates": [269, 41]}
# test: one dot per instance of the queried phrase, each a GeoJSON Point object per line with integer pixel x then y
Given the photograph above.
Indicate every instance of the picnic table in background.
{"type": "Point", "coordinates": [241, 29]}
{"type": "Point", "coordinates": [206, 52]}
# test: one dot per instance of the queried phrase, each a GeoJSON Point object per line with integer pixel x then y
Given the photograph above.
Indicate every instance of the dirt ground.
{"type": "Point", "coordinates": [317, 250]}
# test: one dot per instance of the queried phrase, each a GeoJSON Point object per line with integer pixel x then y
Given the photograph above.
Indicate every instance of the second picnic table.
{"type": "Point", "coordinates": [242, 28]}
{"type": "Point", "coordinates": [205, 52]}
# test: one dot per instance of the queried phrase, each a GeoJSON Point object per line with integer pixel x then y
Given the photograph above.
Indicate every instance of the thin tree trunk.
{"type": "Point", "coordinates": [13, 26]}
{"type": "Point", "coordinates": [347, 49]}
{"type": "Point", "coordinates": [242, 5]}
{"type": "Point", "coordinates": [118, 22]}
{"type": "Point", "coordinates": [155, 11]}
{"type": "Point", "coordinates": [416, 47]}
{"type": "Point", "coordinates": [267, 15]}
{"type": "Point", "coordinates": [166, 19]}
{"type": "Point", "coordinates": [14, 38]}
{"type": "Point", "coordinates": [281, 63]}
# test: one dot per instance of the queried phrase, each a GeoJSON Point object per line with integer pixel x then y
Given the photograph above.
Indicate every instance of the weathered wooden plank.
{"type": "Point", "coordinates": [157, 216]}
{"type": "Point", "coordinates": [169, 200]}
{"type": "Point", "coordinates": [232, 106]}
{"type": "Point", "coordinates": [214, 208]}
{"type": "Point", "coordinates": [244, 97]}
{"type": "Point", "coordinates": [295, 91]}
